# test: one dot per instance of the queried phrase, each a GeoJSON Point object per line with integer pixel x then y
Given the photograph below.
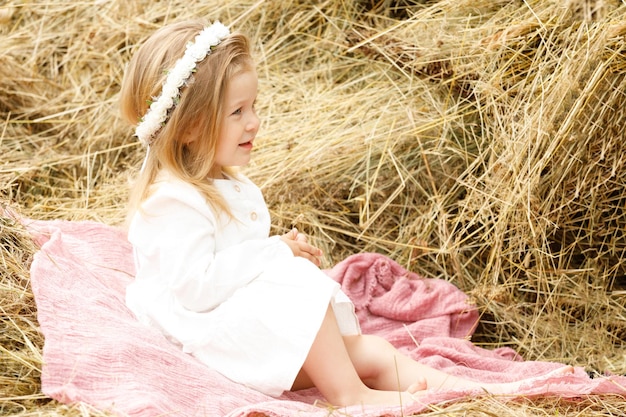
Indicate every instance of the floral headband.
{"type": "Point", "coordinates": [177, 77]}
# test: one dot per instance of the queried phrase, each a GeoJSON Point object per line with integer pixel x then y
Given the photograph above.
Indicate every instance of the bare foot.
{"type": "Point", "coordinates": [387, 398]}
{"type": "Point", "coordinates": [394, 398]}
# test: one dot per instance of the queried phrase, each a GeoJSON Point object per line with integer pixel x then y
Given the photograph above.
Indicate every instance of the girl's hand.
{"type": "Point", "coordinates": [300, 247]}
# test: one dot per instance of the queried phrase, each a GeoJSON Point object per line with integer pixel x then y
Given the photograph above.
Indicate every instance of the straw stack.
{"type": "Point", "coordinates": [481, 142]}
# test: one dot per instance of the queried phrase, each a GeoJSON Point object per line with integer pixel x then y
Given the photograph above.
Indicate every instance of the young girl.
{"type": "Point", "coordinates": [255, 308]}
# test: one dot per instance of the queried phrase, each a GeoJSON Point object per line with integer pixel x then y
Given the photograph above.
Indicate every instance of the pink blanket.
{"type": "Point", "coordinates": [96, 352]}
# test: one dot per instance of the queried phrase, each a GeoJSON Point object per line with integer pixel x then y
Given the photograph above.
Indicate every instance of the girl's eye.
{"type": "Point", "coordinates": [238, 111]}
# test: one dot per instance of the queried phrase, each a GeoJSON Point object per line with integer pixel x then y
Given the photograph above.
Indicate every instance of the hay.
{"type": "Point", "coordinates": [477, 141]}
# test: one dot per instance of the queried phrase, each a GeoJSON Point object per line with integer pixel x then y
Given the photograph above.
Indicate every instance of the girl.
{"type": "Point", "coordinates": [255, 308]}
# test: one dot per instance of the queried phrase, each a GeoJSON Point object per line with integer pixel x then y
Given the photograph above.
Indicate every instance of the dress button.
{"type": "Point", "coordinates": [253, 216]}
{"type": "Point", "coordinates": [237, 188]}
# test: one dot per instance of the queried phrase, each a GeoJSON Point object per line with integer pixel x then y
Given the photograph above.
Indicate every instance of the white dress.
{"type": "Point", "coordinates": [224, 290]}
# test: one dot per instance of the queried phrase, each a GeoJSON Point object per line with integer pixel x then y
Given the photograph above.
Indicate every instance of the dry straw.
{"type": "Point", "coordinates": [481, 142]}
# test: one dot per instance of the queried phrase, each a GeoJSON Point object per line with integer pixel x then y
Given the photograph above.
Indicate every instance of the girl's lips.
{"type": "Point", "coordinates": [246, 144]}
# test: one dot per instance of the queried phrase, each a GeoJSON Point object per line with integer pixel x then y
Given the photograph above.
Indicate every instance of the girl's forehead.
{"type": "Point", "coordinates": [242, 84]}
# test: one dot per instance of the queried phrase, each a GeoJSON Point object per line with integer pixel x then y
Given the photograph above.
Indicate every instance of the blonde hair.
{"type": "Point", "coordinates": [199, 105]}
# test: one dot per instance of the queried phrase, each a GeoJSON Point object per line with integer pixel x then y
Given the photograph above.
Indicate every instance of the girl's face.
{"type": "Point", "coordinates": [239, 123]}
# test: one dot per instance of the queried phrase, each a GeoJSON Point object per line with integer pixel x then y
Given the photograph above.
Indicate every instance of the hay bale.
{"type": "Point", "coordinates": [20, 360]}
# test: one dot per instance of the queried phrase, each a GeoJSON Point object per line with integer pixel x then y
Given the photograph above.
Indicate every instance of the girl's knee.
{"type": "Point", "coordinates": [378, 342]}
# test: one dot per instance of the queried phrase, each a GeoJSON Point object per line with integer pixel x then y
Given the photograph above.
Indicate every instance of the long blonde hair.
{"type": "Point", "coordinates": [199, 104]}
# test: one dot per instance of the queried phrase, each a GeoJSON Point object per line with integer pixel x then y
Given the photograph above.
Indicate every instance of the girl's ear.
{"type": "Point", "coordinates": [191, 133]}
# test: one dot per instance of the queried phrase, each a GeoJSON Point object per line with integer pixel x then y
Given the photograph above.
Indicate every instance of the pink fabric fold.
{"type": "Point", "coordinates": [97, 353]}
{"type": "Point", "coordinates": [400, 305]}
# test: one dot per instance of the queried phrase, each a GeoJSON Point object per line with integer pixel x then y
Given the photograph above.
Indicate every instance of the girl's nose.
{"type": "Point", "coordinates": [253, 123]}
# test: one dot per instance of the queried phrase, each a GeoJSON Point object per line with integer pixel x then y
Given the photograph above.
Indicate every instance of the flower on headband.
{"type": "Point", "coordinates": [177, 77]}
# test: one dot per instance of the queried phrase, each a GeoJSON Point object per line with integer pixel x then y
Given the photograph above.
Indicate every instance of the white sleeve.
{"type": "Point", "coordinates": [175, 242]}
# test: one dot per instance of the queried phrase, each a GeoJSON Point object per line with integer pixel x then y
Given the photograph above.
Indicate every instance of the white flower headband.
{"type": "Point", "coordinates": [177, 77]}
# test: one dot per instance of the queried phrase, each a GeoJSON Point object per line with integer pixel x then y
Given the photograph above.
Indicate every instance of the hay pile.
{"type": "Point", "coordinates": [477, 141]}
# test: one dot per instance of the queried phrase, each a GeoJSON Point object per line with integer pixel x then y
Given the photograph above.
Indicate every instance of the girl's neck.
{"type": "Point", "coordinates": [218, 174]}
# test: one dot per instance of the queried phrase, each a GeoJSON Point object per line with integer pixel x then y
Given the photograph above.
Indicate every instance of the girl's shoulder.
{"type": "Point", "coordinates": [169, 187]}
{"type": "Point", "coordinates": [168, 190]}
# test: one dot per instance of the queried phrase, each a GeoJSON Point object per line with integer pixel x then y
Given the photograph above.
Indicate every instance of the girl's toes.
{"type": "Point", "coordinates": [565, 370]}
{"type": "Point", "coordinates": [419, 385]}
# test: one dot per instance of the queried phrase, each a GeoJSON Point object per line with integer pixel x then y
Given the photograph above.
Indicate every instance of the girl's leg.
{"type": "Point", "coordinates": [329, 367]}
{"type": "Point", "coordinates": [381, 366]}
